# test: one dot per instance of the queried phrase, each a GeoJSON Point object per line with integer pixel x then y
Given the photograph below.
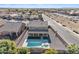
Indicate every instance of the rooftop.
{"type": "Point", "coordinates": [1, 22]}
{"type": "Point", "coordinates": [34, 16]}
{"type": "Point", "coordinates": [11, 27]}
{"type": "Point", "coordinates": [38, 23]}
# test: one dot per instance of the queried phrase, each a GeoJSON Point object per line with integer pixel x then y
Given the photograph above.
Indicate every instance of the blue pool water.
{"type": "Point", "coordinates": [35, 42]}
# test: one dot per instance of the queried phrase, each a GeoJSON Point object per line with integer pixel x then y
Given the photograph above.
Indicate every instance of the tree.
{"type": "Point", "coordinates": [73, 49]}
{"type": "Point", "coordinates": [30, 12]}
{"type": "Point", "coordinates": [7, 47]}
{"type": "Point", "coordinates": [22, 50]}
{"type": "Point", "coordinates": [50, 51]}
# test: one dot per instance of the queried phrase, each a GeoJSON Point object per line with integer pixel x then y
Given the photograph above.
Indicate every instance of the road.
{"type": "Point", "coordinates": [65, 34]}
{"type": "Point", "coordinates": [67, 16]}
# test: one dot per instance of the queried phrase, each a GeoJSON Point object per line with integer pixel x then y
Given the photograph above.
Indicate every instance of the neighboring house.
{"type": "Point", "coordinates": [33, 17]}
{"type": "Point", "coordinates": [36, 17]}
{"type": "Point", "coordinates": [38, 28]}
{"type": "Point", "coordinates": [19, 17]}
{"type": "Point", "coordinates": [1, 22]}
{"type": "Point", "coordinates": [11, 30]}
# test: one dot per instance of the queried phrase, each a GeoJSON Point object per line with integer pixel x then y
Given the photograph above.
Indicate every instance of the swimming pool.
{"type": "Point", "coordinates": [34, 42]}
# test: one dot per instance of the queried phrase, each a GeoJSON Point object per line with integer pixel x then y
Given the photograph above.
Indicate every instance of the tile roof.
{"type": "Point", "coordinates": [38, 23]}
{"type": "Point", "coordinates": [11, 27]}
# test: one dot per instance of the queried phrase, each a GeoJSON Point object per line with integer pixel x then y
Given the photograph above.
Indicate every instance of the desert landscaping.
{"type": "Point", "coordinates": [66, 22]}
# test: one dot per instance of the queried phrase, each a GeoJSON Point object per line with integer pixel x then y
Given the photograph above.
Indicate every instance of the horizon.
{"type": "Point", "coordinates": [39, 5]}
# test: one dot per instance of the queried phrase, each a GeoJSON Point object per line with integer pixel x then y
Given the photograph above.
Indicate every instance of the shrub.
{"type": "Point", "coordinates": [50, 51]}
{"type": "Point", "coordinates": [73, 49]}
{"type": "Point", "coordinates": [22, 50]}
{"type": "Point", "coordinates": [7, 47]}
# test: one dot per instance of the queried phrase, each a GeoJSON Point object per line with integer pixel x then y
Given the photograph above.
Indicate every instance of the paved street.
{"type": "Point", "coordinates": [67, 16]}
{"type": "Point", "coordinates": [65, 34]}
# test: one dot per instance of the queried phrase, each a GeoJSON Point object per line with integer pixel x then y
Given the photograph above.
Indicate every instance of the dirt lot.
{"type": "Point", "coordinates": [66, 22]}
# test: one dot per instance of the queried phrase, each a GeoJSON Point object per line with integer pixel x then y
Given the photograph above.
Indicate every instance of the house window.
{"type": "Point", "coordinates": [40, 34]}
{"type": "Point", "coordinates": [30, 34]}
{"type": "Point", "coordinates": [35, 35]}
{"type": "Point", "coordinates": [45, 34]}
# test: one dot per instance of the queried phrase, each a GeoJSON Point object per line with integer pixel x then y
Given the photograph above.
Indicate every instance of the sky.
{"type": "Point", "coordinates": [39, 5]}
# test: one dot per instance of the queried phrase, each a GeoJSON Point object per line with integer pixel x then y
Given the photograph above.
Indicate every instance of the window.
{"type": "Point", "coordinates": [30, 34]}
{"type": "Point", "coordinates": [40, 34]}
{"type": "Point", "coordinates": [35, 35]}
